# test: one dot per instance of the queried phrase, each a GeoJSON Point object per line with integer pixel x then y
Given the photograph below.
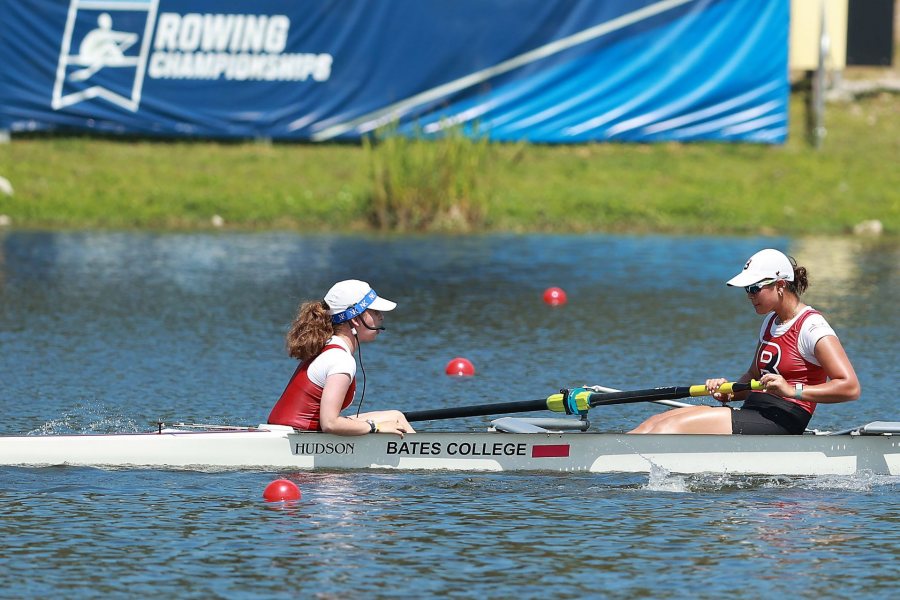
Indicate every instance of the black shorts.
{"type": "Point", "coordinates": [765, 414]}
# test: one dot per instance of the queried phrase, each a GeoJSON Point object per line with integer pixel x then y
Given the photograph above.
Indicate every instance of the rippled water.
{"type": "Point", "coordinates": [110, 332]}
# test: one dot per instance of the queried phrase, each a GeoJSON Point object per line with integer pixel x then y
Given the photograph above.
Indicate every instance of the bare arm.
{"type": "Point", "coordinates": [330, 419]}
{"type": "Point", "coordinates": [842, 384]}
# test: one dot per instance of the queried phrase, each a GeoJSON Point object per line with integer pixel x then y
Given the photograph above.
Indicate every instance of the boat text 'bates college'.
{"type": "Point", "coordinates": [401, 448]}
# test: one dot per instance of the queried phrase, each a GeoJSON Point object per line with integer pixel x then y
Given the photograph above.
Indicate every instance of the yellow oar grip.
{"type": "Point", "coordinates": [699, 390]}
{"type": "Point", "coordinates": [555, 403]}
{"type": "Point", "coordinates": [725, 388]}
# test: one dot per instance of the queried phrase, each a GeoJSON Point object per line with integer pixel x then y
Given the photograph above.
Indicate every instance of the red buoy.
{"type": "Point", "coordinates": [555, 296]}
{"type": "Point", "coordinates": [460, 367]}
{"type": "Point", "coordinates": [281, 490]}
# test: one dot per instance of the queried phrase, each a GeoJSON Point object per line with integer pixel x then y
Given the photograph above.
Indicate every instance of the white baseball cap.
{"type": "Point", "coordinates": [352, 297]}
{"type": "Point", "coordinates": [764, 265]}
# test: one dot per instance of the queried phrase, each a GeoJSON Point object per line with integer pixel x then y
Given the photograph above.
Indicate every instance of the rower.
{"type": "Point", "coordinates": [799, 360]}
{"type": "Point", "coordinates": [324, 336]}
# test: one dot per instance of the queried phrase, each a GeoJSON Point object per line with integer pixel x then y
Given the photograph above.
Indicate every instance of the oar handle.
{"type": "Point", "coordinates": [752, 385]}
{"type": "Point", "coordinates": [730, 387]}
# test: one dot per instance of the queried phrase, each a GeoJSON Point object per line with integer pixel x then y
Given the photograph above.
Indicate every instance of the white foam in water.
{"type": "Point", "coordinates": [87, 419]}
{"type": "Point", "coordinates": [721, 481]}
{"type": "Point", "coordinates": [662, 480]}
{"type": "Point", "coordinates": [54, 427]}
{"type": "Point", "coordinates": [113, 424]}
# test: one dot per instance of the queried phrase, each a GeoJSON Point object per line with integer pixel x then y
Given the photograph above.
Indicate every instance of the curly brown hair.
{"type": "Point", "coordinates": [310, 331]}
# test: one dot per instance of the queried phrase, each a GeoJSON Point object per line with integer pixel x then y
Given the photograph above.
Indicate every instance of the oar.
{"type": "Point", "coordinates": [671, 403]}
{"type": "Point", "coordinates": [578, 401]}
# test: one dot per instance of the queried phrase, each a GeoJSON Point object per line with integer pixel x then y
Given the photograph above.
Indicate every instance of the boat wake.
{"type": "Point", "coordinates": [862, 481]}
{"type": "Point", "coordinates": [662, 480]}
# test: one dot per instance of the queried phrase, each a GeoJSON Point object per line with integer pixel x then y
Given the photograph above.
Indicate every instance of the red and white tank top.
{"type": "Point", "coordinates": [781, 354]}
{"type": "Point", "coordinates": [301, 400]}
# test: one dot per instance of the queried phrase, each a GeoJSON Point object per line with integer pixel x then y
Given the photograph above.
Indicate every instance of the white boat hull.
{"type": "Point", "coordinates": [282, 448]}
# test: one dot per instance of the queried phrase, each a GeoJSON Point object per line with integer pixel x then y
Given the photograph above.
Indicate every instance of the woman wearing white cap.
{"type": "Point", "coordinates": [324, 336]}
{"type": "Point", "coordinates": [798, 359]}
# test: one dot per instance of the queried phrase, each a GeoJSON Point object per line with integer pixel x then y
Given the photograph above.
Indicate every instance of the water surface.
{"type": "Point", "coordinates": [113, 331]}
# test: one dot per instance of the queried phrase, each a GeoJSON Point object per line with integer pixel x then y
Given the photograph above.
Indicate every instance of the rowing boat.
{"type": "Point", "coordinates": [510, 444]}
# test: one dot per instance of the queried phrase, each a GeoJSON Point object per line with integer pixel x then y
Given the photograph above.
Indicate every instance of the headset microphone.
{"type": "Point", "coordinates": [364, 324]}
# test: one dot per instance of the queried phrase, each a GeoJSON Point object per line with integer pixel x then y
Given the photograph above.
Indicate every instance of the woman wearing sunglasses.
{"type": "Point", "coordinates": [799, 360]}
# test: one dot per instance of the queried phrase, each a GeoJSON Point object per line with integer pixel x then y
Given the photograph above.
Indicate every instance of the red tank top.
{"type": "Point", "coordinates": [301, 400]}
{"type": "Point", "coordinates": [780, 354]}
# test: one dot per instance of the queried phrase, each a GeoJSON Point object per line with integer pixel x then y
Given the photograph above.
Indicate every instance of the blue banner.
{"type": "Point", "coordinates": [554, 71]}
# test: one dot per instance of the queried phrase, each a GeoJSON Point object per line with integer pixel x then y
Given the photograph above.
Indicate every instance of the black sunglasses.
{"type": "Point", "coordinates": [756, 287]}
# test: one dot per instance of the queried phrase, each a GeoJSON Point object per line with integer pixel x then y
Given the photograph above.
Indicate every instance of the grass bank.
{"type": "Point", "coordinates": [727, 188]}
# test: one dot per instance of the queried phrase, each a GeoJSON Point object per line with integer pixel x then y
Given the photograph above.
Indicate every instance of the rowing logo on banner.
{"type": "Point", "coordinates": [769, 357]}
{"type": "Point", "coordinates": [110, 47]}
{"type": "Point", "coordinates": [104, 52]}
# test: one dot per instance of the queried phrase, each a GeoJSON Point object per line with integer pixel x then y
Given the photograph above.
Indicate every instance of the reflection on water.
{"type": "Point", "coordinates": [850, 278]}
{"type": "Point", "coordinates": [112, 331]}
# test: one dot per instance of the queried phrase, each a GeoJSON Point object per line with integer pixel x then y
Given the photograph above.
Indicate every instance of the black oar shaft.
{"type": "Point", "coordinates": [595, 399]}
{"type": "Point", "coordinates": [476, 411]}
{"type": "Point", "coordinates": [654, 394]}
{"type": "Point", "coordinates": [651, 395]}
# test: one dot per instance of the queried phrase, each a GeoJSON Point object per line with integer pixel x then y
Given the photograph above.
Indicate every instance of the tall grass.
{"type": "Point", "coordinates": [418, 184]}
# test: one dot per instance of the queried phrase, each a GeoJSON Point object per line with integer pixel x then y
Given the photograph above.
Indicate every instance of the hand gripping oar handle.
{"type": "Point", "coordinates": [577, 401]}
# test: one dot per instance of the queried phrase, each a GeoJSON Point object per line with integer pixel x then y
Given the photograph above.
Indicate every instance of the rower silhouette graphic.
{"type": "Point", "coordinates": [102, 47]}
{"type": "Point", "coordinates": [100, 34]}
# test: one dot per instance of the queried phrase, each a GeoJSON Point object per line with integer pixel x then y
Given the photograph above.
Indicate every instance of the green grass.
{"type": "Point", "coordinates": [83, 182]}
{"type": "Point", "coordinates": [80, 182]}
